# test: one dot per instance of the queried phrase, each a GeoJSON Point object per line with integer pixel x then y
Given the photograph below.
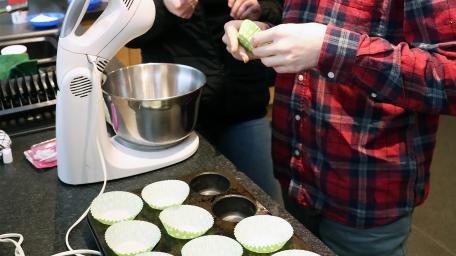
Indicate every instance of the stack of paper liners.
{"type": "Point", "coordinates": [247, 30]}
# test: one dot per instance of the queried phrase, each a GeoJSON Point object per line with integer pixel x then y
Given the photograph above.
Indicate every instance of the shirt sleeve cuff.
{"type": "Point", "coordinates": [338, 53]}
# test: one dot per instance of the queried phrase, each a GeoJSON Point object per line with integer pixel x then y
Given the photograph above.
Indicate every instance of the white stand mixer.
{"type": "Point", "coordinates": [81, 127]}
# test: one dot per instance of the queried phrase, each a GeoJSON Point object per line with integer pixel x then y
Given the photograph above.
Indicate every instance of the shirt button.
{"type": "Point", "coordinates": [373, 95]}
{"type": "Point", "coordinates": [297, 117]}
{"type": "Point", "coordinates": [297, 152]}
{"type": "Point", "coordinates": [301, 78]}
{"type": "Point", "coordinates": [331, 75]}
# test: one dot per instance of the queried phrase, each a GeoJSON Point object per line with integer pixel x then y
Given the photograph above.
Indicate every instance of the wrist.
{"type": "Point", "coordinates": [318, 34]}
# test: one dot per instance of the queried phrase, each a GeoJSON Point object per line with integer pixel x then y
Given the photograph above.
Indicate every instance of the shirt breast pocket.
{"type": "Point", "coordinates": [358, 15]}
{"type": "Point", "coordinates": [431, 21]}
{"type": "Point", "coordinates": [364, 5]}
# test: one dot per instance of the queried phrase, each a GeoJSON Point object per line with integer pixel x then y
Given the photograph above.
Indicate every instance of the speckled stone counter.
{"type": "Point", "coordinates": [36, 204]}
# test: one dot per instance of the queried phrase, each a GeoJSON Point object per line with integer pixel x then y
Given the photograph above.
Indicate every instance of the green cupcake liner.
{"type": "Point", "coordinates": [109, 222]}
{"type": "Point", "coordinates": [130, 238]}
{"type": "Point", "coordinates": [132, 254]}
{"type": "Point", "coordinates": [247, 30]}
{"type": "Point", "coordinates": [154, 254]}
{"type": "Point", "coordinates": [212, 245]}
{"type": "Point", "coordinates": [263, 233]}
{"type": "Point", "coordinates": [160, 208]}
{"type": "Point", "coordinates": [186, 221]}
{"type": "Point", "coordinates": [264, 249]}
{"type": "Point", "coordinates": [179, 234]}
{"type": "Point", "coordinates": [115, 206]}
{"type": "Point", "coordinates": [166, 193]}
{"type": "Point", "coordinates": [295, 252]}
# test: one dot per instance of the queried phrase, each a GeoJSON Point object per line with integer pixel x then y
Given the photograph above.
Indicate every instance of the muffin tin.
{"type": "Point", "coordinates": [220, 194]}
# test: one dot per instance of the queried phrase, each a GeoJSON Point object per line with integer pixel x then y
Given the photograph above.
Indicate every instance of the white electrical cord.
{"type": "Point", "coordinates": [77, 253]}
{"type": "Point", "coordinates": [71, 251]}
{"type": "Point", "coordinates": [9, 238]}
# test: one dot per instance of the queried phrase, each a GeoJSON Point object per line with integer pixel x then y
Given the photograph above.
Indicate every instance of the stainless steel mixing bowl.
{"type": "Point", "coordinates": [154, 105]}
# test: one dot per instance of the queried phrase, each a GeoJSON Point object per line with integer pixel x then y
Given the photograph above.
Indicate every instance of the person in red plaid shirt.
{"type": "Point", "coordinates": [361, 86]}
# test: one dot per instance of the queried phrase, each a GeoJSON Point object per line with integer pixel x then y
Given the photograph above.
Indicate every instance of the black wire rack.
{"type": "Point", "coordinates": [27, 103]}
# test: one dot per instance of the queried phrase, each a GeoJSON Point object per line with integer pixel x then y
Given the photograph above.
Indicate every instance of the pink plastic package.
{"type": "Point", "coordinates": [43, 155]}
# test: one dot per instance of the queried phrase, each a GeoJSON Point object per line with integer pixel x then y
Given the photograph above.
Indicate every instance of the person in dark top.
{"type": "Point", "coordinates": [234, 101]}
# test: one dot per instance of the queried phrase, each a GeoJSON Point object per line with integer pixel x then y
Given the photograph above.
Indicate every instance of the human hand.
{"type": "Point", "coordinates": [230, 38]}
{"type": "Point", "coordinates": [181, 8]}
{"type": "Point", "coordinates": [245, 9]}
{"type": "Point", "coordinates": [290, 48]}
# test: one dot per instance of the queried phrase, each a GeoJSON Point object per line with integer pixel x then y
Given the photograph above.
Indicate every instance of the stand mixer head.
{"type": "Point", "coordinates": [81, 127]}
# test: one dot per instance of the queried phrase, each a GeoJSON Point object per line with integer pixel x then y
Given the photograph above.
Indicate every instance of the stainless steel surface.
{"type": "Point", "coordinates": [154, 104]}
{"type": "Point", "coordinates": [233, 208]}
{"type": "Point", "coordinates": [210, 184]}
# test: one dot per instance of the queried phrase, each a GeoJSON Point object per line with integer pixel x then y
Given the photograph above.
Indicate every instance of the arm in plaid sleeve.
{"type": "Point", "coordinates": [420, 79]}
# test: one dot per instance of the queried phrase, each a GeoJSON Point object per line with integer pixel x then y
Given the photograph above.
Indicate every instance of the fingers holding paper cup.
{"type": "Point", "coordinates": [238, 36]}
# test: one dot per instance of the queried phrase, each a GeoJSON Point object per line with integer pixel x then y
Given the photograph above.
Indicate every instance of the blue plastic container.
{"type": "Point", "coordinates": [92, 5]}
{"type": "Point", "coordinates": [46, 24]}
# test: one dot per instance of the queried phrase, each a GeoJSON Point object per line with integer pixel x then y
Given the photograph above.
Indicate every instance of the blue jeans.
{"type": "Point", "coordinates": [248, 146]}
{"type": "Point", "coordinates": [387, 240]}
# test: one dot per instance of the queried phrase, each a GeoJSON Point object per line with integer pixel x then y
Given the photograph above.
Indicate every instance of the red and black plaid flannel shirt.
{"type": "Point", "coordinates": [354, 138]}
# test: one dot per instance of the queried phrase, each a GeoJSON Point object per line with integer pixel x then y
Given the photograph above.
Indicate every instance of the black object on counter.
{"type": "Point", "coordinates": [27, 103]}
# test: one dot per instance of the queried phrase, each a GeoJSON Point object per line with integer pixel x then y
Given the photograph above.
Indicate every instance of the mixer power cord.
{"type": "Point", "coordinates": [10, 238]}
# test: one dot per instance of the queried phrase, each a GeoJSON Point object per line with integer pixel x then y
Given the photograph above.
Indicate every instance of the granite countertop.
{"type": "Point", "coordinates": [36, 204]}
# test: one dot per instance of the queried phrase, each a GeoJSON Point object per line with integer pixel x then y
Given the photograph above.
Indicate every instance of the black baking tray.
{"type": "Point", "coordinates": [223, 225]}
